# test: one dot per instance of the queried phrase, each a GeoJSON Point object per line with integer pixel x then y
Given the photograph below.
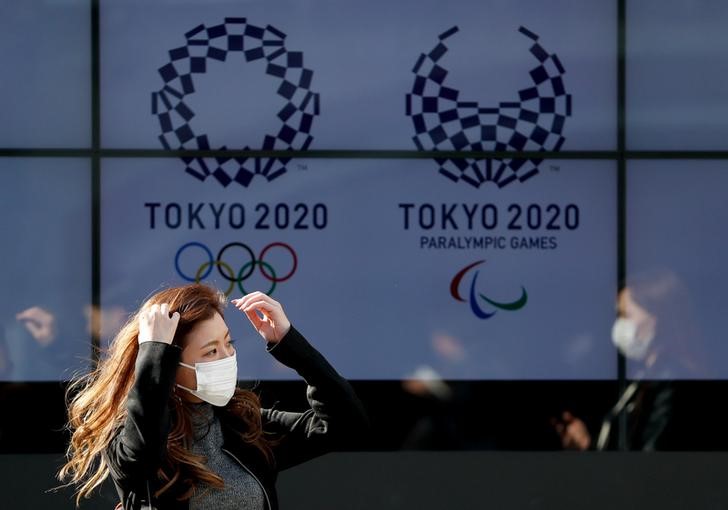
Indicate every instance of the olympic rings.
{"type": "Point", "coordinates": [218, 263]}
{"type": "Point", "coordinates": [209, 256]}
{"type": "Point", "coordinates": [293, 256]}
{"type": "Point", "coordinates": [246, 270]}
{"type": "Point", "coordinates": [246, 248]}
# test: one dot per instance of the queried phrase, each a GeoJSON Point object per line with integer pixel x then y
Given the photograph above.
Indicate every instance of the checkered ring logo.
{"type": "Point", "coordinates": [443, 120]}
{"type": "Point", "coordinates": [208, 45]}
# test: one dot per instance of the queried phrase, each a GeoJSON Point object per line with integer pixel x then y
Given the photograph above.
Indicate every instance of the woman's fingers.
{"type": "Point", "coordinates": [155, 324]}
{"type": "Point", "coordinates": [264, 305]}
{"type": "Point", "coordinates": [256, 321]}
{"type": "Point", "coordinates": [261, 302]}
{"type": "Point", "coordinates": [265, 314]}
{"type": "Point", "coordinates": [252, 310]}
{"type": "Point", "coordinates": [271, 314]}
{"type": "Point", "coordinates": [246, 300]}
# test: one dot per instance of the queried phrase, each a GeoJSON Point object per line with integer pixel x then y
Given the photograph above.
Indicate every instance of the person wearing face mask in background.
{"type": "Point", "coordinates": [656, 334]}
{"type": "Point", "coordinates": [162, 415]}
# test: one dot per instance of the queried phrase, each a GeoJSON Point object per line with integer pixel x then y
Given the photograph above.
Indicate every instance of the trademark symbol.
{"type": "Point", "coordinates": [554, 168]}
{"type": "Point", "coordinates": [302, 166]}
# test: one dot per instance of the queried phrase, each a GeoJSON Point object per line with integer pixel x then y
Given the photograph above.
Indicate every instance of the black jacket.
{"type": "Point", "coordinates": [336, 419]}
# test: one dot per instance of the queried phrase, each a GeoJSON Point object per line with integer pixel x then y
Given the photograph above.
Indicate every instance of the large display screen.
{"type": "Point", "coordinates": [394, 263]}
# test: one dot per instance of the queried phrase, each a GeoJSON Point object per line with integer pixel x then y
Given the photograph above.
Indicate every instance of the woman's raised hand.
{"type": "Point", "coordinates": [155, 324]}
{"type": "Point", "coordinates": [266, 314]}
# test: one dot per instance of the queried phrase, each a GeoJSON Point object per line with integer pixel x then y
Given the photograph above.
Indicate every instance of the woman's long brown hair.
{"type": "Point", "coordinates": [97, 405]}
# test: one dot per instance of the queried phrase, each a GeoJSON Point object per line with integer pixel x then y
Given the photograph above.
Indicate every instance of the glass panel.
{"type": "Point", "coordinates": [45, 206]}
{"type": "Point", "coordinates": [46, 82]}
{"type": "Point", "coordinates": [676, 270]}
{"type": "Point", "coordinates": [677, 74]}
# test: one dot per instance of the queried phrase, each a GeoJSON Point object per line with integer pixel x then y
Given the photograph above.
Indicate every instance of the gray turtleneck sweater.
{"type": "Point", "coordinates": [241, 491]}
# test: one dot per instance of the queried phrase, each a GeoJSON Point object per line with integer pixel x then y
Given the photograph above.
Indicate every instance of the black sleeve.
{"type": "Point", "coordinates": [137, 448]}
{"type": "Point", "coordinates": [336, 418]}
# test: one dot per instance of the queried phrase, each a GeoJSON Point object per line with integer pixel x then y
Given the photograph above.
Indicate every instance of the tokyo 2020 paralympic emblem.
{"type": "Point", "coordinates": [444, 120]}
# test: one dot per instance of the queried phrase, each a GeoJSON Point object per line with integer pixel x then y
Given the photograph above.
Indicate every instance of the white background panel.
{"type": "Point", "coordinates": [367, 291]}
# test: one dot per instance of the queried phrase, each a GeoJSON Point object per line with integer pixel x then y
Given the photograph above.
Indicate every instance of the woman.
{"type": "Point", "coordinates": [657, 335]}
{"type": "Point", "coordinates": [162, 416]}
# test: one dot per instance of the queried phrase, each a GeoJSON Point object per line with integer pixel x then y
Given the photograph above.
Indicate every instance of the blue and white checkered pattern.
{"type": "Point", "coordinates": [443, 121]}
{"type": "Point", "coordinates": [204, 44]}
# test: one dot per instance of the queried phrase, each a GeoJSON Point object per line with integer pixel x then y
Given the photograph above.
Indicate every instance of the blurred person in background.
{"type": "Point", "coordinates": [656, 332]}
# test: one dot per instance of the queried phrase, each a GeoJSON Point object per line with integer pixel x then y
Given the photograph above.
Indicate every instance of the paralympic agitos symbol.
{"type": "Point", "coordinates": [243, 271]}
{"type": "Point", "coordinates": [444, 121]}
{"type": "Point", "coordinates": [473, 298]}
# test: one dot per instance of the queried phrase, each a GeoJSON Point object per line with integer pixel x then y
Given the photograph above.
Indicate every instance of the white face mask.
{"type": "Point", "coordinates": [625, 337]}
{"type": "Point", "coordinates": [216, 380]}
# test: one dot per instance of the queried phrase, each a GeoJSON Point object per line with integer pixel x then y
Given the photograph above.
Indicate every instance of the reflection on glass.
{"type": "Point", "coordinates": [656, 333]}
{"type": "Point", "coordinates": [676, 223]}
{"type": "Point", "coordinates": [35, 343]}
{"type": "Point", "coordinates": [40, 323]}
{"type": "Point", "coordinates": [438, 404]}
{"type": "Point", "coordinates": [45, 228]}
{"type": "Point", "coordinates": [657, 330]}
{"type": "Point", "coordinates": [107, 321]}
